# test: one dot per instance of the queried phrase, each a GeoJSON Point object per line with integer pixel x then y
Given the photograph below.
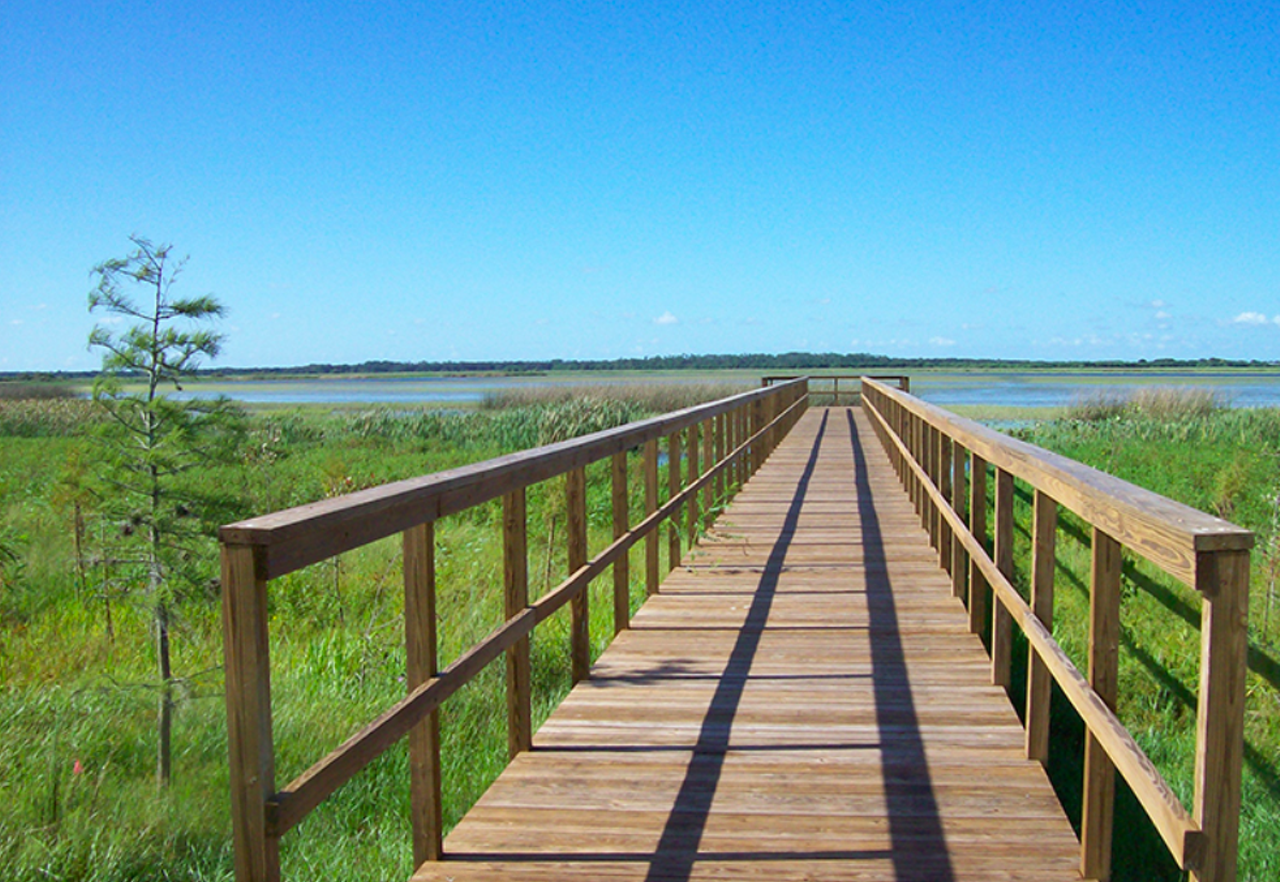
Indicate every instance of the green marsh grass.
{"type": "Point", "coordinates": [1224, 461]}
{"type": "Point", "coordinates": [77, 705]}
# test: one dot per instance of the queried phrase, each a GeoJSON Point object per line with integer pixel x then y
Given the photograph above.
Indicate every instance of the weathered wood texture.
{"type": "Point", "coordinates": [802, 700]}
{"type": "Point", "coordinates": [1206, 552]}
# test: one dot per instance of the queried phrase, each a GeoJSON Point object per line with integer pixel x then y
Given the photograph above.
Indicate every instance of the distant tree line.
{"type": "Point", "coordinates": [784, 362]}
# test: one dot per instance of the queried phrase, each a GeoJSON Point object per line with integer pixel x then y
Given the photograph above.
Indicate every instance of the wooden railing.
{"type": "Point", "coordinates": [824, 389]}
{"type": "Point", "coordinates": [710, 447]}
{"type": "Point", "coordinates": [937, 454]}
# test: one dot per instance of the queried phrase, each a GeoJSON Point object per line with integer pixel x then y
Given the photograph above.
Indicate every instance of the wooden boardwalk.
{"type": "Point", "coordinates": [801, 701]}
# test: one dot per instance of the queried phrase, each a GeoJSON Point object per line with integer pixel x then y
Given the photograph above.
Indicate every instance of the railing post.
{"type": "Point", "coordinates": [248, 696]}
{"type": "Point", "coordinates": [621, 524]}
{"type": "Point", "coordinates": [674, 456]}
{"type": "Point", "coordinates": [651, 573]}
{"type": "Point", "coordinates": [692, 514]}
{"type": "Point", "coordinates": [934, 453]}
{"type": "Point", "coordinates": [515, 557]}
{"type": "Point", "coordinates": [944, 487]}
{"type": "Point", "coordinates": [978, 588]}
{"type": "Point", "coordinates": [1044, 533]}
{"type": "Point", "coordinates": [1222, 578]}
{"type": "Point", "coordinates": [758, 451]}
{"type": "Point", "coordinates": [1001, 621]}
{"type": "Point", "coordinates": [422, 665]}
{"type": "Point", "coordinates": [1104, 671]}
{"type": "Point", "coordinates": [708, 456]}
{"type": "Point", "coordinates": [721, 427]}
{"type": "Point", "coordinates": [958, 557]}
{"type": "Point", "coordinates": [575, 485]}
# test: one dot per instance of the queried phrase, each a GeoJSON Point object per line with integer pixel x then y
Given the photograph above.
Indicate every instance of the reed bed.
{"type": "Point", "coordinates": [1162, 403]}
{"type": "Point", "coordinates": [25, 391]}
{"type": "Point", "coordinates": [650, 397]}
{"type": "Point", "coordinates": [53, 417]}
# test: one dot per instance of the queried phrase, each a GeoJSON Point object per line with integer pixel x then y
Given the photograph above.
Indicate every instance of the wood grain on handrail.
{"type": "Point", "coordinates": [1176, 827]}
{"type": "Point", "coordinates": [290, 805]}
{"type": "Point", "coordinates": [303, 535]}
{"type": "Point", "coordinates": [1167, 533]}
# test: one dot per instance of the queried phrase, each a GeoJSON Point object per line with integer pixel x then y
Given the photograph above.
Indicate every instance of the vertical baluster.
{"type": "Point", "coordinates": [673, 489]}
{"type": "Point", "coordinates": [1222, 578]}
{"type": "Point", "coordinates": [944, 487]}
{"type": "Point", "coordinates": [515, 556]}
{"type": "Point", "coordinates": [651, 573]}
{"type": "Point", "coordinates": [1001, 622]}
{"type": "Point", "coordinates": [621, 524]}
{"type": "Point", "coordinates": [422, 664]}
{"type": "Point", "coordinates": [932, 449]}
{"type": "Point", "coordinates": [1104, 670]}
{"type": "Point", "coordinates": [692, 513]}
{"type": "Point", "coordinates": [575, 485]}
{"type": "Point", "coordinates": [1044, 532]}
{"type": "Point", "coordinates": [959, 560]}
{"type": "Point", "coordinates": [721, 426]}
{"type": "Point", "coordinates": [978, 588]}
{"type": "Point", "coordinates": [708, 457]}
{"type": "Point", "coordinates": [248, 695]}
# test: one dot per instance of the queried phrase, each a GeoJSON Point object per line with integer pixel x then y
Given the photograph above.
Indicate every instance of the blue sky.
{"type": "Point", "coordinates": [479, 180]}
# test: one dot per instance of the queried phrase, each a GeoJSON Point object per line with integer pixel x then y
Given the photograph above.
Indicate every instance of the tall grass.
{"type": "Point", "coordinates": [650, 397]}
{"type": "Point", "coordinates": [1160, 403]}
{"type": "Point", "coordinates": [1220, 460]}
{"type": "Point", "coordinates": [29, 391]}
{"type": "Point", "coordinates": [77, 704]}
{"type": "Point", "coordinates": [46, 417]}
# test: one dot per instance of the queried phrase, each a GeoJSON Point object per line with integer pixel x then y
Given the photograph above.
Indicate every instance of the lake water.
{"type": "Point", "coordinates": [1029, 389]}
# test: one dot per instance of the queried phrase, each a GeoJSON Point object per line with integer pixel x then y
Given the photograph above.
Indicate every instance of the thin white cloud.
{"type": "Point", "coordinates": [942, 341]}
{"type": "Point", "coordinates": [1158, 304]}
{"type": "Point", "coordinates": [17, 322]}
{"type": "Point", "coordinates": [666, 319]}
{"type": "Point", "coordinates": [1250, 318]}
{"type": "Point", "coordinates": [1162, 315]}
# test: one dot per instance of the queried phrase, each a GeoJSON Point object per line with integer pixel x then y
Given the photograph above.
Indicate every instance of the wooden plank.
{"type": "Point", "coordinates": [422, 664]}
{"type": "Point", "coordinates": [1180, 833]}
{"type": "Point", "coordinates": [1001, 624]}
{"type": "Point", "coordinates": [620, 497]}
{"type": "Point", "coordinates": [823, 753]}
{"type": "Point", "coordinates": [1165, 532]}
{"type": "Point", "coordinates": [1098, 810]}
{"type": "Point", "coordinates": [1223, 581]}
{"type": "Point", "coordinates": [248, 697]}
{"type": "Point", "coordinates": [515, 583]}
{"type": "Point", "coordinates": [1044, 533]}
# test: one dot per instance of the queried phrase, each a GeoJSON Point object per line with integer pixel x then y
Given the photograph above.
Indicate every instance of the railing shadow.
{"type": "Point", "coordinates": [915, 826]}
{"type": "Point", "coordinates": [677, 848]}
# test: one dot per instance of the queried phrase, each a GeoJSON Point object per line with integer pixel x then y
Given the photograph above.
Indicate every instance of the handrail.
{"type": "Point", "coordinates": [929, 447]}
{"type": "Point", "coordinates": [731, 437]}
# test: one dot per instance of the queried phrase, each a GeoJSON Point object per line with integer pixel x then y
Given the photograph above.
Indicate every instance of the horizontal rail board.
{"type": "Point", "coordinates": [1170, 818]}
{"type": "Point", "coordinates": [290, 805]}
{"type": "Point", "coordinates": [306, 534]}
{"type": "Point", "coordinates": [1167, 533]}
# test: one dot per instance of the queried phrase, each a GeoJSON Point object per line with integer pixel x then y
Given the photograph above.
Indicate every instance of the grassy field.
{"type": "Point", "coordinates": [78, 701]}
{"type": "Point", "coordinates": [76, 659]}
{"type": "Point", "coordinates": [1218, 460]}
